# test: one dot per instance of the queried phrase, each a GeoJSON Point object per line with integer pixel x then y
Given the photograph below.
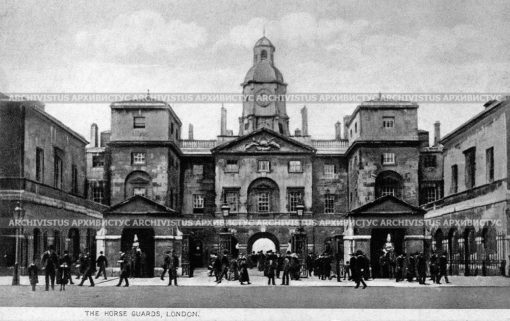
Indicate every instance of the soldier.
{"type": "Point", "coordinates": [172, 272]}
{"type": "Point", "coordinates": [443, 262]}
{"type": "Point", "coordinates": [166, 264]}
{"type": "Point", "coordinates": [33, 274]}
{"type": "Point", "coordinates": [286, 269]}
{"type": "Point", "coordinates": [125, 268]}
{"type": "Point", "coordinates": [66, 258]}
{"type": "Point", "coordinates": [102, 263]}
{"type": "Point", "coordinates": [89, 270]}
{"type": "Point", "coordinates": [49, 262]}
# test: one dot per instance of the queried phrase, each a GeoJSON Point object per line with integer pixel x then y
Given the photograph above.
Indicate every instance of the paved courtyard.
{"type": "Point", "coordinates": [202, 291]}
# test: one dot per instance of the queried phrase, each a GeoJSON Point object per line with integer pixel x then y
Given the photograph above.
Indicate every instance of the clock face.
{"type": "Point", "coordinates": [263, 98]}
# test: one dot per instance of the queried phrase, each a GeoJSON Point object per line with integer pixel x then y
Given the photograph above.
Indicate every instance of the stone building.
{"type": "Point", "coordinates": [42, 174]}
{"type": "Point", "coordinates": [476, 166]}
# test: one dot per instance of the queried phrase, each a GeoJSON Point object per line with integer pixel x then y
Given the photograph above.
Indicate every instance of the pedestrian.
{"type": "Point", "coordinates": [411, 268]}
{"type": "Point", "coordinates": [357, 264]}
{"type": "Point", "coordinates": [244, 277]}
{"type": "Point", "coordinates": [166, 264]}
{"type": "Point", "coordinates": [279, 264]}
{"type": "Point", "coordinates": [217, 268]}
{"type": "Point", "coordinates": [286, 269]}
{"type": "Point", "coordinates": [347, 270]}
{"type": "Point", "coordinates": [33, 274]}
{"type": "Point", "coordinates": [66, 258]}
{"type": "Point", "coordinates": [233, 270]}
{"type": "Point", "coordinates": [443, 263]}
{"type": "Point", "coordinates": [309, 264]}
{"type": "Point", "coordinates": [224, 267]}
{"type": "Point", "coordinates": [421, 264]}
{"type": "Point", "coordinates": [338, 268]}
{"type": "Point", "coordinates": [125, 269]}
{"type": "Point", "coordinates": [271, 271]}
{"type": "Point", "coordinates": [89, 270]}
{"type": "Point", "coordinates": [49, 262]}
{"type": "Point", "coordinates": [64, 275]}
{"type": "Point", "coordinates": [433, 268]}
{"type": "Point", "coordinates": [102, 264]}
{"type": "Point", "coordinates": [174, 265]}
{"type": "Point", "coordinates": [81, 264]}
{"type": "Point", "coordinates": [399, 268]}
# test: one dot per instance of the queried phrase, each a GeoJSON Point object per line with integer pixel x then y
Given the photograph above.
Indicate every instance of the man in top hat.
{"type": "Point", "coordinates": [102, 263]}
{"type": "Point", "coordinates": [286, 269]}
{"type": "Point", "coordinates": [49, 262]}
{"type": "Point", "coordinates": [357, 264]}
{"type": "Point", "coordinates": [124, 269]}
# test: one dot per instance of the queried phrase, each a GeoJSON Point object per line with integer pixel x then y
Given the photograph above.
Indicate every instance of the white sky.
{"type": "Point", "coordinates": [200, 46]}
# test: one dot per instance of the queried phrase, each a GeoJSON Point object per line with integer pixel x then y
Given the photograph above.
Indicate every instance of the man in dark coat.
{"type": "Point", "coordinates": [166, 264]}
{"type": "Point", "coordinates": [125, 269]}
{"type": "Point", "coordinates": [82, 262]}
{"type": "Point", "coordinates": [279, 265]}
{"type": "Point", "coordinates": [33, 275]}
{"type": "Point", "coordinates": [172, 272]}
{"type": "Point", "coordinates": [399, 268]}
{"type": "Point", "coordinates": [309, 264]}
{"type": "Point", "coordinates": [338, 268]}
{"type": "Point", "coordinates": [224, 267]}
{"type": "Point", "coordinates": [421, 265]}
{"type": "Point", "coordinates": [102, 263]}
{"type": "Point", "coordinates": [243, 275]}
{"type": "Point", "coordinates": [433, 268]}
{"type": "Point", "coordinates": [271, 268]}
{"type": "Point", "coordinates": [66, 258]}
{"type": "Point", "coordinates": [411, 268]}
{"type": "Point", "coordinates": [357, 264]}
{"type": "Point", "coordinates": [49, 262]}
{"type": "Point", "coordinates": [89, 271]}
{"type": "Point", "coordinates": [286, 269]}
{"type": "Point", "coordinates": [217, 268]}
{"type": "Point", "coordinates": [443, 262]}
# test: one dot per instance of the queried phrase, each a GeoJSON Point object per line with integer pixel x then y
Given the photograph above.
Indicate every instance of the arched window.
{"type": "Point", "coordinates": [138, 183]}
{"type": "Point", "coordinates": [263, 55]}
{"type": "Point", "coordinates": [388, 183]}
{"type": "Point", "coordinates": [263, 196]}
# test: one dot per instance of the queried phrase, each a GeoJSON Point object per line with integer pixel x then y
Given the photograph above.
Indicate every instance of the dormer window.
{"type": "Point", "coordinates": [263, 55]}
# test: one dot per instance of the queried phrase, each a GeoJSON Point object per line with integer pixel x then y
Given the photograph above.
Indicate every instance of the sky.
{"type": "Point", "coordinates": [206, 46]}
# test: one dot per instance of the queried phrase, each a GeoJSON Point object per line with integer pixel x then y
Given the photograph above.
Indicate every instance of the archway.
{"type": "Point", "coordinates": [388, 183]}
{"type": "Point", "coordinates": [470, 252]}
{"type": "Point", "coordinates": [138, 244]}
{"type": "Point", "coordinates": [263, 196]}
{"type": "Point", "coordinates": [263, 241]}
{"type": "Point", "coordinates": [381, 254]}
{"type": "Point", "coordinates": [196, 252]}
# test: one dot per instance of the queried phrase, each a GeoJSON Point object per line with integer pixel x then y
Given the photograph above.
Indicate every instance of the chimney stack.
{"type": "Point", "coordinates": [223, 130]}
{"type": "Point", "coordinates": [437, 133]}
{"type": "Point", "coordinates": [304, 121]}
{"type": "Point", "coordinates": [190, 132]}
{"type": "Point", "coordinates": [338, 130]}
{"type": "Point", "coordinates": [346, 130]}
{"type": "Point", "coordinates": [94, 139]}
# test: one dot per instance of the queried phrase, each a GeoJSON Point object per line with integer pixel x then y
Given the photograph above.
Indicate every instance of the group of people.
{"type": "Point", "coordinates": [57, 268]}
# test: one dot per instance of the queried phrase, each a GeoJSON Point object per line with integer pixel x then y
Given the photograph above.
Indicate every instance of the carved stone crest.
{"type": "Point", "coordinates": [262, 144]}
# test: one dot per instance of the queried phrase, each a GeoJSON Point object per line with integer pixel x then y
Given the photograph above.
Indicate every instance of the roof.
{"type": "Point", "coordinates": [263, 72]}
{"type": "Point", "coordinates": [262, 130]}
{"type": "Point", "coordinates": [264, 42]}
{"type": "Point", "coordinates": [398, 206]}
{"type": "Point", "coordinates": [489, 107]}
{"type": "Point", "coordinates": [145, 103]}
{"type": "Point", "coordinates": [142, 204]}
{"type": "Point", "coordinates": [381, 103]}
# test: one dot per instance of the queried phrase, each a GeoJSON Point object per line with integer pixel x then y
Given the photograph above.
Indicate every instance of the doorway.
{"type": "Point", "coordinates": [138, 244]}
{"type": "Point", "coordinates": [380, 254]}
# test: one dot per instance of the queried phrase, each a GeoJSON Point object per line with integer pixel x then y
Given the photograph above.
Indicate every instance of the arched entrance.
{"type": "Point", "coordinates": [196, 252]}
{"type": "Point", "coordinates": [138, 244]}
{"type": "Point", "coordinates": [263, 241]}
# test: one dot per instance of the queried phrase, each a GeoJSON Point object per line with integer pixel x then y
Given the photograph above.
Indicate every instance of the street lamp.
{"type": "Point", "coordinates": [18, 215]}
{"type": "Point", "coordinates": [225, 211]}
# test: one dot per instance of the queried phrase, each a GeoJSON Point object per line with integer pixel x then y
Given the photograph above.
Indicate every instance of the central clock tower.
{"type": "Point", "coordinates": [264, 93]}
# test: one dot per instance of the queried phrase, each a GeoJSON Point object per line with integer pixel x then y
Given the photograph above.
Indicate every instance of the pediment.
{"type": "Point", "coordinates": [139, 205]}
{"type": "Point", "coordinates": [388, 205]}
{"type": "Point", "coordinates": [263, 141]}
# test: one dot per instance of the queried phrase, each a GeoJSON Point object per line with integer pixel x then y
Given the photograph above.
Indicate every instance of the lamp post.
{"type": "Point", "coordinates": [224, 235]}
{"type": "Point", "coordinates": [299, 241]}
{"type": "Point", "coordinates": [18, 215]}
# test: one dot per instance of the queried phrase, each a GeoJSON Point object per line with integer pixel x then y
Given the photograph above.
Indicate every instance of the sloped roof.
{"type": "Point", "coordinates": [387, 204]}
{"type": "Point", "coordinates": [138, 204]}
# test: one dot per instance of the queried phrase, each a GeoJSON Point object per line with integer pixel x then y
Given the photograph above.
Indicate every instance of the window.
{"type": "Point", "coordinates": [388, 122]}
{"type": "Point", "coordinates": [295, 198]}
{"type": "Point", "coordinates": [264, 166]}
{"type": "Point", "coordinates": [469, 156]}
{"type": "Point", "coordinates": [263, 202]}
{"type": "Point", "coordinates": [329, 170]}
{"type": "Point", "coordinates": [455, 179]}
{"type": "Point", "coordinates": [58, 171]}
{"type": "Point", "coordinates": [263, 55]}
{"type": "Point", "coordinates": [74, 179]}
{"type": "Point", "coordinates": [97, 192]}
{"type": "Point", "coordinates": [329, 204]}
{"type": "Point", "coordinates": [351, 133]}
{"type": "Point", "coordinates": [171, 129]}
{"type": "Point", "coordinates": [232, 166]}
{"type": "Point", "coordinates": [232, 199]}
{"type": "Point", "coordinates": [388, 158]}
{"type": "Point", "coordinates": [355, 127]}
{"type": "Point", "coordinates": [388, 183]}
{"type": "Point", "coordinates": [295, 167]}
{"type": "Point", "coordinates": [198, 169]}
{"type": "Point", "coordinates": [39, 165]}
{"type": "Point", "coordinates": [280, 128]}
{"type": "Point", "coordinates": [97, 160]}
{"type": "Point", "coordinates": [198, 203]}
{"type": "Point", "coordinates": [432, 194]}
{"type": "Point", "coordinates": [139, 191]}
{"type": "Point", "coordinates": [138, 158]}
{"type": "Point", "coordinates": [489, 160]}
{"type": "Point", "coordinates": [139, 122]}
{"type": "Point", "coordinates": [429, 161]}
